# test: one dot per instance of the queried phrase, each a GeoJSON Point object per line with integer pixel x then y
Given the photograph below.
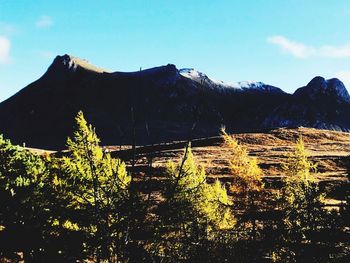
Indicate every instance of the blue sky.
{"type": "Point", "coordinates": [283, 43]}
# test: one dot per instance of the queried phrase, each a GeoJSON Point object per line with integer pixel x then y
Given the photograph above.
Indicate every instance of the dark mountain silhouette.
{"type": "Point", "coordinates": [161, 104]}
{"type": "Point", "coordinates": [322, 104]}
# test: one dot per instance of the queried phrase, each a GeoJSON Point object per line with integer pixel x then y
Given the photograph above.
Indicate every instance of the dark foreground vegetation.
{"type": "Point", "coordinates": [86, 206]}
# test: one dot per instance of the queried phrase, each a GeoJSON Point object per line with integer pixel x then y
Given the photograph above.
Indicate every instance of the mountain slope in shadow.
{"type": "Point", "coordinates": [160, 104]}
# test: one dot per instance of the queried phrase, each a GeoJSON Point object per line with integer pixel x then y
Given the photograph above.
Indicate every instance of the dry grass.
{"type": "Point", "coordinates": [329, 149]}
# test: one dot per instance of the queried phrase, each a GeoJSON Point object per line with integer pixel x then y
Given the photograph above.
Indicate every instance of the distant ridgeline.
{"type": "Point", "coordinates": [161, 104]}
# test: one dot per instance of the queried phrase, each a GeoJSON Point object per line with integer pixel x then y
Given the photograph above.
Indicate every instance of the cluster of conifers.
{"type": "Point", "coordinates": [88, 206]}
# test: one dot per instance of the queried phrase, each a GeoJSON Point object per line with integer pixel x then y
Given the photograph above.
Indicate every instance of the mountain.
{"type": "Point", "coordinates": [243, 86]}
{"type": "Point", "coordinates": [160, 104]}
{"type": "Point", "coordinates": [322, 104]}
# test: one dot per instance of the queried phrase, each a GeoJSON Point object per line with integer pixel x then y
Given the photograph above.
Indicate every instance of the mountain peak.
{"type": "Point", "coordinates": [72, 63]}
{"type": "Point", "coordinates": [317, 82]}
{"type": "Point", "coordinates": [319, 86]}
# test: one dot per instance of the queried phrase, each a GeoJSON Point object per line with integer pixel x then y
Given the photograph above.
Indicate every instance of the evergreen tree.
{"type": "Point", "coordinates": [97, 187]}
{"type": "Point", "coordinates": [301, 197]}
{"type": "Point", "coordinates": [301, 204]}
{"type": "Point", "coordinates": [193, 211]}
{"type": "Point", "coordinates": [23, 211]}
{"type": "Point", "coordinates": [247, 185]}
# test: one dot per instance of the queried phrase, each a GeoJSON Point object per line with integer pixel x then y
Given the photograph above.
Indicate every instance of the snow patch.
{"type": "Point", "coordinates": [212, 83]}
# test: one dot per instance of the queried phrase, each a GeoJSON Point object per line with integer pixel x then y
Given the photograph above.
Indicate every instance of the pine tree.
{"type": "Point", "coordinates": [97, 187]}
{"type": "Point", "coordinates": [301, 197]}
{"type": "Point", "coordinates": [193, 211]}
{"type": "Point", "coordinates": [23, 211]}
{"type": "Point", "coordinates": [247, 184]}
{"type": "Point", "coordinates": [298, 168]}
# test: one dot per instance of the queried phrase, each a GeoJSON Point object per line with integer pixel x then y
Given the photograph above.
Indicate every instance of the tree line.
{"type": "Point", "coordinates": [87, 206]}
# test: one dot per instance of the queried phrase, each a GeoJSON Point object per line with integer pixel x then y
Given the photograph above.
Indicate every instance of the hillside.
{"type": "Point", "coordinates": [329, 149]}
{"type": "Point", "coordinates": [161, 104]}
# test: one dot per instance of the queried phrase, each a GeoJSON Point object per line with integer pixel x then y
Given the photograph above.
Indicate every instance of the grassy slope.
{"type": "Point", "coordinates": [329, 149]}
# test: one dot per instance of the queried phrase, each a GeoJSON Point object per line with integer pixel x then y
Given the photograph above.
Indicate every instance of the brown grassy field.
{"type": "Point", "coordinates": [328, 149]}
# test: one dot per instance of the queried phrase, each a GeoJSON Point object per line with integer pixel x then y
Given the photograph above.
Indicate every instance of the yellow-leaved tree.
{"type": "Point", "coordinates": [246, 183]}
{"type": "Point", "coordinates": [298, 169]}
{"type": "Point", "coordinates": [23, 207]}
{"type": "Point", "coordinates": [193, 211]}
{"type": "Point", "coordinates": [97, 188]}
{"type": "Point", "coordinates": [300, 196]}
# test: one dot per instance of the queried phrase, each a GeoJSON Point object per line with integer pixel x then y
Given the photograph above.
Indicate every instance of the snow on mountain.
{"type": "Point", "coordinates": [217, 84]}
{"type": "Point", "coordinates": [204, 79]}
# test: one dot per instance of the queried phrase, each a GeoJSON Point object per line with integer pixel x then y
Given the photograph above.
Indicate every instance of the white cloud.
{"type": "Point", "coordinates": [297, 49]}
{"type": "Point", "coordinates": [44, 21]}
{"type": "Point", "coordinates": [344, 76]}
{"type": "Point", "coordinates": [335, 52]}
{"type": "Point", "coordinates": [5, 46]}
{"type": "Point", "coordinates": [301, 50]}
